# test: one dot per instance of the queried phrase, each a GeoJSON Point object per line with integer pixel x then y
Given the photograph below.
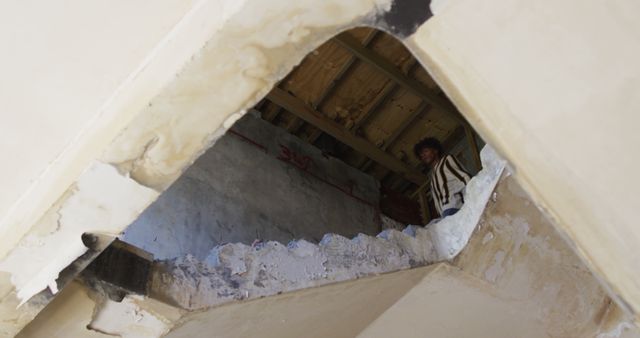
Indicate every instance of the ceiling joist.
{"type": "Point", "coordinates": [344, 70]}
{"type": "Point", "coordinates": [421, 110]}
{"type": "Point", "coordinates": [303, 111]}
{"type": "Point", "coordinates": [390, 70]}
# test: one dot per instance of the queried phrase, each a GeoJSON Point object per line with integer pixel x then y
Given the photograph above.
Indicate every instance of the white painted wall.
{"type": "Point", "coordinates": [62, 61]}
{"type": "Point", "coordinates": [555, 86]}
{"type": "Point", "coordinates": [74, 73]}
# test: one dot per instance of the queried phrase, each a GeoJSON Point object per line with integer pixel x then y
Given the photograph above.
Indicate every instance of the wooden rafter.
{"type": "Point", "coordinates": [422, 109]}
{"type": "Point", "coordinates": [344, 70]}
{"type": "Point", "coordinates": [294, 125]}
{"type": "Point", "coordinates": [303, 111]}
{"type": "Point", "coordinates": [391, 140]}
{"type": "Point", "coordinates": [346, 67]}
{"type": "Point", "coordinates": [271, 115]}
{"type": "Point", "coordinates": [381, 99]}
{"type": "Point", "coordinates": [410, 84]}
{"type": "Point", "coordinates": [389, 69]}
{"type": "Point", "coordinates": [378, 102]}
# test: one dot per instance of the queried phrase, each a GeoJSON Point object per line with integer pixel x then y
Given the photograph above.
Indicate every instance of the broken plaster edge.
{"type": "Point", "coordinates": [451, 234]}
{"type": "Point", "coordinates": [94, 206]}
{"type": "Point", "coordinates": [158, 68]}
{"type": "Point", "coordinates": [118, 115]}
{"type": "Point", "coordinates": [237, 271]}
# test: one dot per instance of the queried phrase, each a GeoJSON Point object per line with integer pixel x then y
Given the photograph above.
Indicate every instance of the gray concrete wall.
{"type": "Point", "coordinates": [257, 182]}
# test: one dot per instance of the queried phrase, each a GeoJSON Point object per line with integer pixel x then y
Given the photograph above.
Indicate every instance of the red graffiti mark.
{"type": "Point", "coordinates": [301, 161]}
{"type": "Point", "coordinates": [248, 140]}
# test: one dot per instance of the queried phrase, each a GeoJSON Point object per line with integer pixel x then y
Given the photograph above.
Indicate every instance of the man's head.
{"type": "Point", "coordinates": [428, 150]}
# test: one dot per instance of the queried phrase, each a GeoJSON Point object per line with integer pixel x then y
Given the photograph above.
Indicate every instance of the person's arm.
{"type": "Point", "coordinates": [456, 169]}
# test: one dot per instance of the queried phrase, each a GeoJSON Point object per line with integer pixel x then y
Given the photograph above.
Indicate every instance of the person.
{"type": "Point", "coordinates": [448, 178]}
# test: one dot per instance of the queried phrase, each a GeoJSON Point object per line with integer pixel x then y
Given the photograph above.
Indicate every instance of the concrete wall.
{"type": "Point", "coordinates": [257, 182]}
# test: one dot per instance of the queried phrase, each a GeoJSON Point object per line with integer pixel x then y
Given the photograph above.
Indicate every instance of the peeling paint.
{"type": "Point", "coordinates": [94, 206]}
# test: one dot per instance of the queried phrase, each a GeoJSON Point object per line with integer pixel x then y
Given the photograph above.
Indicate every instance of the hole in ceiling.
{"type": "Point", "coordinates": [328, 150]}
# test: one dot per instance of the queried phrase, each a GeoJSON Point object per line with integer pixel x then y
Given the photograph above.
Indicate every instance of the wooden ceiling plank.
{"type": "Point", "coordinates": [303, 111]}
{"type": "Point", "coordinates": [346, 68]}
{"type": "Point", "coordinates": [381, 99]}
{"type": "Point", "coordinates": [423, 108]}
{"type": "Point", "coordinates": [390, 70]}
{"type": "Point", "coordinates": [272, 114]}
{"type": "Point", "coordinates": [314, 136]}
{"type": "Point", "coordinates": [294, 125]}
{"type": "Point", "coordinates": [420, 111]}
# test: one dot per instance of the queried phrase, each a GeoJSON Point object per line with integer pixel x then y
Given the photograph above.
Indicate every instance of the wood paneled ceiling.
{"type": "Point", "coordinates": [362, 97]}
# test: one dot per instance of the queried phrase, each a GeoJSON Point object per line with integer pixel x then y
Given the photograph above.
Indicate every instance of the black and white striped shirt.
{"type": "Point", "coordinates": [448, 180]}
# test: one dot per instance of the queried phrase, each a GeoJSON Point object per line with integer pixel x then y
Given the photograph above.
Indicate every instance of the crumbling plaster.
{"type": "Point", "coordinates": [238, 271]}
{"type": "Point", "coordinates": [515, 250]}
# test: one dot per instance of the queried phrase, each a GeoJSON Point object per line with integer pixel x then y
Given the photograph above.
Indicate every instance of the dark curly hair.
{"type": "Point", "coordinates": [429, 142]}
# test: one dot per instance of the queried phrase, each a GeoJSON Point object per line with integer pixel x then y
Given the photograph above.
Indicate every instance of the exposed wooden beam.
{"type": "Point", "coordinates": [303, 111]}
{"type": "Point", "coordinates": [366, 163]}
{"type": "Point", "coordinates": [422, 108]}
{"type": "Point", "coordinates": [425, 212]}
{"type": "Point", "coordinates": [294, 125]}
{"type": "Point", "coordinates": [381, 99]}
{"type": "Point", "coordinates": [475, 152]}
{"type": "Point", "coordinates": [344, 69]}
{"type": "Point", "coordinates": [271, 115]}
{"type": "Point", "coordinates": [389, 69]}
{"type": "Point", "coordinates": [314, 136]}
